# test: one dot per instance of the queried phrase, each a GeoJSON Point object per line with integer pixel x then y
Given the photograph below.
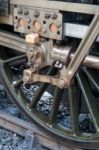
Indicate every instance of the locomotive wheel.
{"type": "Point", "coordinates": [84, 90]}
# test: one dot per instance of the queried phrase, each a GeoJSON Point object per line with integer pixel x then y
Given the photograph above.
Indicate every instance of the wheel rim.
{"type": "Point", "coordinates": [85, 83]}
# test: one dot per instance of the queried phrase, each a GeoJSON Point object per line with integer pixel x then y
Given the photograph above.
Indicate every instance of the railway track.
{"type": "Point", "coordinates": [18, 125]}
{"type": "Point", "coordinates": [21, 128]}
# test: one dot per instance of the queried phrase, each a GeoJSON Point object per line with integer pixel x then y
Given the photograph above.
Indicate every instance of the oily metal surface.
{"type": "Point", "coordinates": [65, 140]}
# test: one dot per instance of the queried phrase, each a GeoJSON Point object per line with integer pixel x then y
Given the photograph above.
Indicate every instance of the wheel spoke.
{"type": "Point", "coordinates": [17, 83]}
{"type": "Point", "coordinates": [74, 108]}
{"type": "Point", "coordinates": [14, 60]}
{"type": "Point", "coordinates": [93, 77]}
{"type": "Point", "coordinates": [43, 87]}
{"type": "Point", "coordinates": [55, 105]}
{"type": "Point", "coordinates": [89, 98]}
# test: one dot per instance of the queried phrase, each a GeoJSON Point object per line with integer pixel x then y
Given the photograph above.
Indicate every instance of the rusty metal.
{"type": "Point", "coordinates": [35, 57]}
{"type": "Point", "coordinates": [37, 23]}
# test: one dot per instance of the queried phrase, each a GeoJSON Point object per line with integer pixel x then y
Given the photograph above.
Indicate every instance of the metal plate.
{"type": "Point", "coordinates": [29, 18]}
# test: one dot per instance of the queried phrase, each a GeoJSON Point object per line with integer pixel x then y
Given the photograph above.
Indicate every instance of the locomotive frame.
{"type": "Point", "coordinates": [64, 81]}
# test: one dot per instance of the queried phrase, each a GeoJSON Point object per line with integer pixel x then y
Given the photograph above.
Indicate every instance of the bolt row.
{"type": "Point", "coordinates": [37, 14]}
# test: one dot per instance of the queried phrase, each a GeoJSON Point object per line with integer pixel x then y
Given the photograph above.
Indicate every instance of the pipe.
{"type": "Point", "coordinates": [63, 56]}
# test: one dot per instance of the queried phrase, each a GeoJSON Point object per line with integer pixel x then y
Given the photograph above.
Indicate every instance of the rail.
{"type": "Point", "coordinates": [20, 127]}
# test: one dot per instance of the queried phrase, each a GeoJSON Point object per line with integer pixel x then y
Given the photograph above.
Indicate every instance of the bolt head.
{"type": "Point", "coordinates": [36, 14]}
{"type": "Point", "coordinates": [47, 16]}
{"type": "Point", "coordinates": [26, 12]}
{"type": "Point", "coordinates": [54, 16]}
{"type": "Point", "coordinates": [20, 11]}
{"type": "Point", "coordinates": [61, 84]}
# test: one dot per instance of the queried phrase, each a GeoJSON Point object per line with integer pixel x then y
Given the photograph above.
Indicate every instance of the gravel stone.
{"type": "Point", "coordinates": [1, 146]}
{"type": "Point", "coordinates": [9, 140]}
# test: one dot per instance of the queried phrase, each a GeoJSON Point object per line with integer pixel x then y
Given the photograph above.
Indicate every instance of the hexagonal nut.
{"type": "Point", "coordinates": [27, 75]}
{"type": "Point", "coordinates": [63, 83]}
